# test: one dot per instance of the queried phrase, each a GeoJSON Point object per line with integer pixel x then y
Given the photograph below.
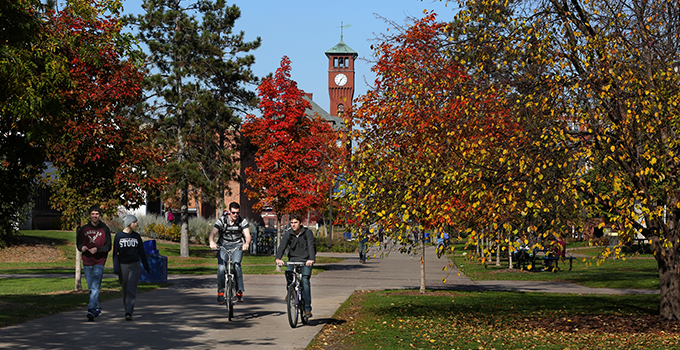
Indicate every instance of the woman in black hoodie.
{"type": "Point", "coordinates": [128, 251]}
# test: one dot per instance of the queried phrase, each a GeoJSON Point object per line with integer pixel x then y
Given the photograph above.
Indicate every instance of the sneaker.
{"type": "Point", "coordinates": [220, 298]}
{"type": "Point", "coordinates": [97, 313]}
{"type": "Point", "coordinates": [128, 317]}
{"type": "Point", "coordinates": [308, 314]}
{"type": "Point", "coordinates": [239, 297]}
{"type": "Point", "coordinates": [90, 315]}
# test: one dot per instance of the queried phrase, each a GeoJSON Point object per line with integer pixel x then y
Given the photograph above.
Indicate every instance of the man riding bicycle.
{"type": "Point", "coordinates": [233, 231]}
{"type": "Point", "coordinates": [301, 248]}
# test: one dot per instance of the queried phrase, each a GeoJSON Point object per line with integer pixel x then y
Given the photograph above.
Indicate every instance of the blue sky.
{"type": "Point", "coordinates": [304, 29]}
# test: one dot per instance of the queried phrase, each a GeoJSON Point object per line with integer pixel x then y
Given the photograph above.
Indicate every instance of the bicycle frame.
{"type": "Point", "coordinates": [230, 280]}
{"type": "Point", "coordinates": [295, 303]}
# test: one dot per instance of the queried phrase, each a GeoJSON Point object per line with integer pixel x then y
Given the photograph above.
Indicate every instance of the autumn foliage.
{"type": "Point", "coordinates": [100, 152]}
{"type": "Point", "coordinates": [427, 135]}
{"type": "Point", "coordinates": [297, 155]}
{"type": "Point", "coordinates": [69, 78]}
{"type": "Point", "coordinates": [557, 112]}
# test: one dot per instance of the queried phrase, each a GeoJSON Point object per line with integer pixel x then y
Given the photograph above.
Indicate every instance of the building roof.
{"type": "Point", "coordinates": [336, 122]}
{"type": "Point", "coordinates": [341, 48]}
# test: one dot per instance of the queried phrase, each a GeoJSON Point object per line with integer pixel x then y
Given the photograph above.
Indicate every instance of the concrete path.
{"type": "Point", "coordinates": [186, 315]}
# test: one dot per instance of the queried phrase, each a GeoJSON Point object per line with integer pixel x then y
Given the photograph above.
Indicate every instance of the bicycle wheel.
{"type": "Point", "coordinates": [230, 297]}
{"type": "Point", "coordinates": [292, 306]}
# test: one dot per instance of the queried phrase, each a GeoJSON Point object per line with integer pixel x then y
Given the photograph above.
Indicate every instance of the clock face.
{"type": "Point", "coordinates": [340, 79]}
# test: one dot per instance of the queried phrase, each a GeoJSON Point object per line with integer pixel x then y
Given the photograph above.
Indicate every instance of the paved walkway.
{"type": "Point", "coordinates": [186, 315]}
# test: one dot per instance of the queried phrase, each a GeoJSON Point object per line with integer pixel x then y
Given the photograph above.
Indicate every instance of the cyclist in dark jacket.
{"type": "Point", "coordinates": [301, 248]}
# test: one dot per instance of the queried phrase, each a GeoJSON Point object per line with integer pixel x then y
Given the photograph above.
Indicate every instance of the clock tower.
{"type": "Point", "coordinates": [340, 77]}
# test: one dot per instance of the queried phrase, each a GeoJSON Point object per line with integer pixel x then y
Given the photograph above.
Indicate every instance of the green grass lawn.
{"type": "Point", "coordinates": [491, 320]}
{"type": "Point", "coordinates": [638, 270]}
{"type": "Point", "coordinates": [629, 273]}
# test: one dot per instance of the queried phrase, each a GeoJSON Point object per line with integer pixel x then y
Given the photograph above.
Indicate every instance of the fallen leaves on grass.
{"type": "Point", "coordinates": [336, 334]}
{"type": "Point", "coordinates": [29, 250]}
{"type": "Point", "coordinates": [605, 324]}
{"type": "Point", "coordinates": [340, 331]}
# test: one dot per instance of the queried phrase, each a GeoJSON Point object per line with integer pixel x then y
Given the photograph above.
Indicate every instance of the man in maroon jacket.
{"type": "Point", "coordinates": [94, 240]}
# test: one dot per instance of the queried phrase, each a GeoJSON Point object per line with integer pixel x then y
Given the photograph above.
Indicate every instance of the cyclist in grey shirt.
{"type": "Point", "coordinates": [233, 231]}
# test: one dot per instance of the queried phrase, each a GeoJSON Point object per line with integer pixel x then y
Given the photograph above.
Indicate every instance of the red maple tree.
{"type": "Point", "coordinates": [297, 155]}
{"type": "Point", "coordinates": [432, 142]}
{"type": "Point", "coordinates": [101, 154]}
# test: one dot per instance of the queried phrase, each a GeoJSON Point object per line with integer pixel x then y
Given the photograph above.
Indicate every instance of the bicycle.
{"type": "Point", "coordinates": [266, 242]}
{"type": "Point", "coordinates": [230, 281]}
{"type": "Point", "coordinates": [294, 303]}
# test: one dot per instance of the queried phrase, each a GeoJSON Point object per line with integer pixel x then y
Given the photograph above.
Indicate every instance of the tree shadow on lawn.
{"type": "Point", "coordinates": [616, 277]}
{"type": "Point", "coordinates": [510, 305]}
{"type": "Point", "coordinates": [555, 312]}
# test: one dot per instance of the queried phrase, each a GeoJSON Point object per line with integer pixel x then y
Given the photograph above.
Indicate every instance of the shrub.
{"type": "Point", "coordinates": [201, 228]}
{"type": "Point", "coordinates": [147, 220]}
{"type": "Point", "coordinates": [167, 232]}
{"type": "Point", "coordinates": [340, 245]}
{"type": "Point", "coordinates": [157, 227]}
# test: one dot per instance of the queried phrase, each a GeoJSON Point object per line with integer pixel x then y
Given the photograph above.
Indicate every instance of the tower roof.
{"type": "Point", "coordinates": [341, 48]}
{"type": "Point", "coordinates": [336, 122]}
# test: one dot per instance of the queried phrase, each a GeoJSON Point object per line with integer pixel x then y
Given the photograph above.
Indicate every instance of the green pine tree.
{"type": "Point", "coordinates": [197, 86]}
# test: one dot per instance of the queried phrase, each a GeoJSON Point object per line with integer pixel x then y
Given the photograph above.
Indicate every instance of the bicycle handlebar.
{"type": "Point", "coordinates": [228, 250]}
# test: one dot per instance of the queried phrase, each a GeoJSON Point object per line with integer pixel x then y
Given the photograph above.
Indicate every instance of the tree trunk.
{"type": "Point", "coordinates": [184, 239]}
{"type": "Point", "coordinates": [79, 256]}
{"type": "Point", "coordinates": [422, 265]}
{"type": "Point", "coordinates": [511, 250]}
{"type": "Point", "coordinates": [278, 239]}
{"type": "Point", "coordinates": [498, 250]}
{"type": "Point", "coordinates": [669, 281]}
{"type": "Point", "coordinates": [330, 219]}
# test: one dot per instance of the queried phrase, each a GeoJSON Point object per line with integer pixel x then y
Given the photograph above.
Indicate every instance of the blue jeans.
{"type": "Point", "coordinates": [306, 286]}
{"type": "Point", "coordinates": [363, 246]}
{"type": "Point", "coordinates": [222, 258]}
{"type": "Point", "coordinates": [93, 277]}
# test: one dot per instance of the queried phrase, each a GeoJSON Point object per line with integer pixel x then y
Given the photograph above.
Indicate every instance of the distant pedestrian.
{"type": "Point", "coordinates": [363, 246]}
{"type": "Point", "coordinates": [94, 241]}
{"type": "Point", "coordinates": [559, 247]}
{"type": "Point", "coordinates": [171, 216]}
{"type": "Point", "coordinates": [128, 251]}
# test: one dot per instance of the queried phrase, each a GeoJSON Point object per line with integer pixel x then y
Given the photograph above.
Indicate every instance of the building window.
{"type": "Point", "coordinates": [342, 62]}
{"type": "Point", "coordinates": [341, 109]}
{"type": "Point", "coordinates": [346, 62]}
{"type": "Point", "coordinates": [335, 62]}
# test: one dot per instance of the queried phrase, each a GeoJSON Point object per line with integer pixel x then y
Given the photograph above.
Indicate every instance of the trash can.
{"type": "Point", "coordinates": [158, 264]}
{"type": "Point", "coordinates": [150, 247]}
